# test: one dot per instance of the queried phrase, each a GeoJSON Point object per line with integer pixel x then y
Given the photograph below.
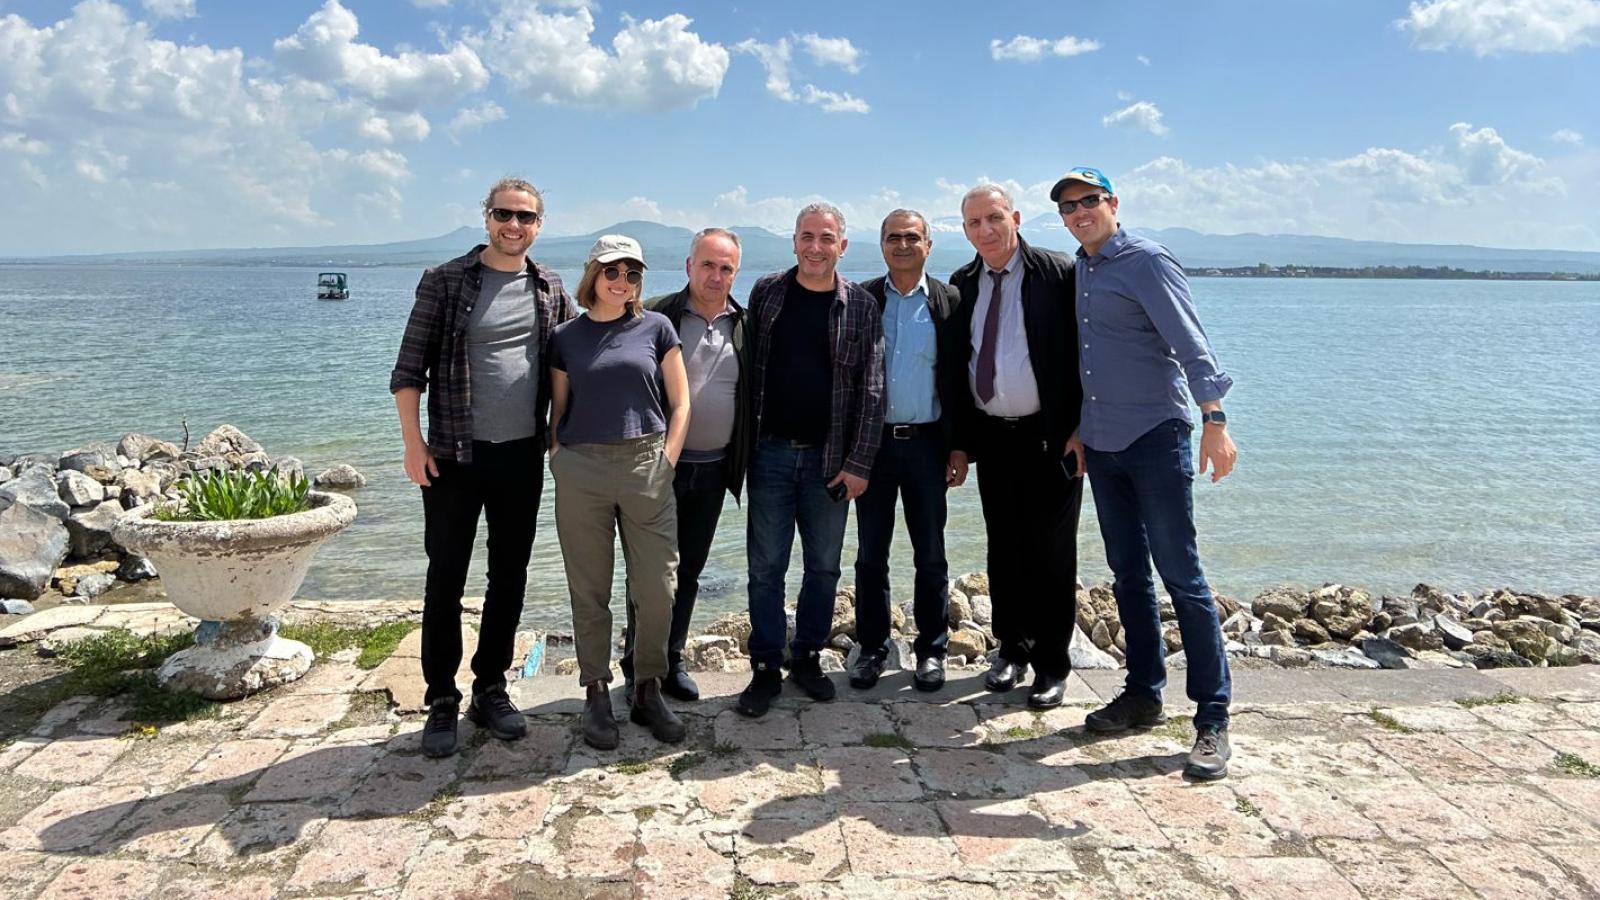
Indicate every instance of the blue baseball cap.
{"type": "Point", "coordinates": [1082, 175]}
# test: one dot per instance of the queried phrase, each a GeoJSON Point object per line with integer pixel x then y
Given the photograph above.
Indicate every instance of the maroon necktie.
{"type": "Point", "coordinates": [991, 341]}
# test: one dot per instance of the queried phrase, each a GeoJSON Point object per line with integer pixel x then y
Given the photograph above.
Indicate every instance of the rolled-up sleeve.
{"type": "Point", "coordinates": [1164, 294]}
{"type": "Point", "coordinates": [419, 346]}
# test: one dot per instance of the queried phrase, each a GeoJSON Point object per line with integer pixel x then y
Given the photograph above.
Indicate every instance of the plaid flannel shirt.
{"type": "Point", "coordinates": [855, 334]}
{"type": "Point", "coordinates": [433, 352]}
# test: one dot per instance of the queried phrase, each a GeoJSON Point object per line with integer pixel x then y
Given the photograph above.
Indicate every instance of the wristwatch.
{"type": "Point", "coordinates": [1215, 417]}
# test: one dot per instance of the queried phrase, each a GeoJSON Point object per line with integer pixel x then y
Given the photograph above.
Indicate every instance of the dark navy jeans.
{"type": "Point", "coordinates": [912, 470]}
{"type": "Point", "coordinates": [1143, 497]}
{"type": "Point", "coordinates": [788, 492]}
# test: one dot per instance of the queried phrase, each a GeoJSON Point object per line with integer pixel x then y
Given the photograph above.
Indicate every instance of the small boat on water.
{"type": "Point", "coordinates": [333, 286]}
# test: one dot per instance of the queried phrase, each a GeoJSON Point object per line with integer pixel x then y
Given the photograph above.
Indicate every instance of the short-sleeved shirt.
{"type": "Point", "coordinates": [712, 364]}
{"type": "Point", "coordinates": [503, 357]}
{"type": "Point", "coordinates": [615, 389]}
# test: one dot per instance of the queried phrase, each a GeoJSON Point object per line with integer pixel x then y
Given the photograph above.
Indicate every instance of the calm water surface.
{"type": "Point", "coordinates": [1390, 432]}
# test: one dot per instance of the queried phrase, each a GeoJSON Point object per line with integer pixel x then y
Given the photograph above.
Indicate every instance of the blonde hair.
{"type": "Point", "coordinates": [591, 276]}
{"type": "Point", "coordinates": [512, 183]}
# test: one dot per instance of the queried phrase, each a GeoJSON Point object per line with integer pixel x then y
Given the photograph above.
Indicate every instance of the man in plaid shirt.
{"type": "Point", "coordinates": [818, 387]}
{"type": "Point", "coordinates": [475, 342]}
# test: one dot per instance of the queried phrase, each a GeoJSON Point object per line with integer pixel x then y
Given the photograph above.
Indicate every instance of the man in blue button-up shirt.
{"type": "Point", "coordinates": [1141, 355]}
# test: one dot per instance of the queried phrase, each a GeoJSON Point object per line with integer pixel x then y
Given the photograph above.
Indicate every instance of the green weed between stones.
{"type": "Point", "coordinates": [1574, 764]}
{"type": "Point", "coordinates": [724, 748]}
{"type": "Point", "coordinates": [683, 764]}
{"type": "Point", "coordinates": [631, 767]}
{"type": "Point", "coordinates": [888, 740]}
{"type": "Point", "coordinates": [1245, 807]}
{"type": "Point", "coordinates": [377, 642]}
{"type": "Point", "coordinates": [1499, 699]}
{"type": "Point", "coordinates": [121, 664]}
{"type": "Point", "coordinates": [744, 889]}
{"type": "Point", "coordinates": [1390, 723]}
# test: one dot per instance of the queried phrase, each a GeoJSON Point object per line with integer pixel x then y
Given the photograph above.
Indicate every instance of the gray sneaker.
{"type": "Point", "coordinates": [1208, 761]}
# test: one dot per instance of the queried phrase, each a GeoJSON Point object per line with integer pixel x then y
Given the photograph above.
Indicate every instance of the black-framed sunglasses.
{"type": "Point", "coordinates": [523, 216]}
{"type": "Point", "coordinates": [1089, 202]}
{"type": "Point", "coordinates": [612, 273]}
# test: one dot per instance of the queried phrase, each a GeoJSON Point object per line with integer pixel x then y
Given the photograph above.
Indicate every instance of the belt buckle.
{"type": "Point", "coordinates": [902, 432]}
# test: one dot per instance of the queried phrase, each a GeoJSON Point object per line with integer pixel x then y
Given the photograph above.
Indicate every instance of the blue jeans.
{"type": "Point", "coordinates": [1146, 509]}
{"type": "Point", "coordinates": [788, 490]}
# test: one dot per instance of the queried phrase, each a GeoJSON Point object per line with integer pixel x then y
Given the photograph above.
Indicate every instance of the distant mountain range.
{"type": "Point", "coordinates": [765, 250]}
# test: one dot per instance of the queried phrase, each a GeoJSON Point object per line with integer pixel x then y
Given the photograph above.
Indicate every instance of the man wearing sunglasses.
{"type": "Point", "coordinates": [474, 343]}
{"type": "Point", "coordinates": [1143, 355]}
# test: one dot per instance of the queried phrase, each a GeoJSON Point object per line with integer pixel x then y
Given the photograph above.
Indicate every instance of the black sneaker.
{"type": "Point", "coordinates": [1208, 761]}
{"type": "Point", "coordinates": [494, 711]}
{"type": "Point", "coordinates": [806, 674]}
{"type": "Point", "coordinates": [765, 686]}
{"type": "Point", "coordinates": [439, 734]}
{"type": "Point", "coordinates": [1128, 710]}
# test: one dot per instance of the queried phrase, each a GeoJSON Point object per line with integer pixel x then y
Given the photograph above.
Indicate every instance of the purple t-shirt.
{"type": "Point", "coordinates": [615, 391]}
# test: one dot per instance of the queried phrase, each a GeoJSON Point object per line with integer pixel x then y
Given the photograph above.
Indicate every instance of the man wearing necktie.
{"type": "Point", "coordinates": [1014, 335]}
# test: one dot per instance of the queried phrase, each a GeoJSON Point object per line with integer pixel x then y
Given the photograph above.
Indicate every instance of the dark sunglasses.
{"type": "Point", "coordinates": [523, 216]}
{"type": "Point", "coordinates": [612, 273]}
{"type": "Point", "coordinates": [1089, 202]}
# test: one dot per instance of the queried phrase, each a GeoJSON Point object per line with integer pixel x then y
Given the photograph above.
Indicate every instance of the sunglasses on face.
{"type": "Point", "coordinates": [1089, 202]}
{"type": "Point", "coordinates": [612, 273]}
{"type": "Point", "coordinates": [523, 216]}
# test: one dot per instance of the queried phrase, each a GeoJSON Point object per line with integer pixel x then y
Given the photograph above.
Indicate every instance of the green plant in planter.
{"type": "Point", "coordinates": [223, 495]}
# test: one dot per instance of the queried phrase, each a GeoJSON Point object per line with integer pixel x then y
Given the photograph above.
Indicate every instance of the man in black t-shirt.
{"type": "Point", "coordinates": [818, 389]}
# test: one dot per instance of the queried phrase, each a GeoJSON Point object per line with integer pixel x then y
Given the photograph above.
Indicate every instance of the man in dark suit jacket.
{"type": "Point", "coordinates": [914, 459]}
{"type": "Point", "coordinates": [1014, 338]}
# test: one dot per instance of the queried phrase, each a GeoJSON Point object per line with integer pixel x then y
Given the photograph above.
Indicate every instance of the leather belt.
{"type": "Point", "coordinates": [906, 432]}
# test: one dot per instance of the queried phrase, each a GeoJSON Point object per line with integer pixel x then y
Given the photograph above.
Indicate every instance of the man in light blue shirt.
{"type": "Point", "coordinates": [913, 463]}
{"type": "Point", "coordinates": [1142, 354]}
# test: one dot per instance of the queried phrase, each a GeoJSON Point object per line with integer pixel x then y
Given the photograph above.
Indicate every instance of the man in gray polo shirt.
{"type": "Point", "coordinates": [712, 326]}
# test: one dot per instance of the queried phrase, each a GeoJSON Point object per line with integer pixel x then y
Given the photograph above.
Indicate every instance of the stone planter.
{"type": "Point", "coordinates": [236, 574]}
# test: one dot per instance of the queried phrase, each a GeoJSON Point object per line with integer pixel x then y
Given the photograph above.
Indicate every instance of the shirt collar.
{"type": "Point", "coordinates": [688, 307]}
{"type": "Point", "coordinates": [1013, 265]}
{"type": "Point", "coordinates": [922, 285]}
{"type": "Point", "coordinates": [1110, 248]}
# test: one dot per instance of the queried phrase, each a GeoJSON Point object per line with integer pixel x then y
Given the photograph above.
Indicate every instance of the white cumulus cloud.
{"type": "Point", "coordinates": [1142, 116]}
{"type": "Point", "coordinates": [1567, 136]}
{"type": "Point", "coordinates": [1023, 48]}
{"type": "Point", "coordinates": [836, 51]}
{"type": "Point", "coordinates": [549, 56]}
{"type": "Point", "coordinates": [472, 118]}
{"type": "Point", "coordinates": [1490, 27]}
{"type": "Point", "coordinates": [776, 59]}
{"type": "Point", "coordinates": [170, 9]}
{"type": "Point", "coordinates": [833, 101]}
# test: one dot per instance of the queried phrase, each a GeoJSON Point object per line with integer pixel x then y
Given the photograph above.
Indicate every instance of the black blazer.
{"type": "Point", "coordinates": [1049, 315]}
{"type": "Point", "coordinates": [948, 378]}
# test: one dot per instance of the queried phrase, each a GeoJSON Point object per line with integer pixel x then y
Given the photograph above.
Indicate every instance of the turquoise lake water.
{"type": "Point", "coordinates": [1390, 431]}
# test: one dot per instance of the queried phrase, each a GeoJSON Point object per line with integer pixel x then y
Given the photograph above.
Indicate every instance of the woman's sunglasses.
{"type": "Point", "coordinates": [612, 273]}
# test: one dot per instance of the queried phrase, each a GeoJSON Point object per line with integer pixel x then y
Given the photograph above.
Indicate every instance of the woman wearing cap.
{"type": "Point", "coordinates": [615, 374]}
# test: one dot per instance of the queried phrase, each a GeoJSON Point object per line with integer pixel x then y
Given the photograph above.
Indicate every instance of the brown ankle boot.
{"type": "Point", "coordinates": [599, 726]}
{"type": "Point", "coordinates": [651, 711]}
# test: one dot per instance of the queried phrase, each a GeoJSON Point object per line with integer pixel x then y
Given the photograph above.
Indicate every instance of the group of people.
{"type": "Point", "coordinates": [1028, 366]}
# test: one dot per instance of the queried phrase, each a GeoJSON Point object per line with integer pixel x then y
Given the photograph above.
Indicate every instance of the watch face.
{"type": "Point", "coordinates": [1216, 416]}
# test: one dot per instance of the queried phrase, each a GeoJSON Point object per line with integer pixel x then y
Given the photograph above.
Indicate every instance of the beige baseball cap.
{"type": "Point", "coordinates": [612, 247]}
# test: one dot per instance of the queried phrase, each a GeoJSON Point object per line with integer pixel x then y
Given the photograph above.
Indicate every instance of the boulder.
{"type": "Point", "coordinates": [1548, 608]}
{"type": "Point", "coordinates": [16, 607]}
{"type": "Point", "coordinates": [1344, 659]}
{"type": "Point", "coordinates": [89, 530]}
{"type": "Point", "coordinates": [1454, 634]}
{"type": "Point", "coordinates": [1564, 656]}
{"type": "Point", "coordinates": [1291, 657]}
{"type": "Point", "coordinates": [136, 568]}
{"type": "Point", "coordinates": [967, 643]}
{"type": "Point", "coordinates": [91, 586]}
{"type": "Point", "coordinates": [1416, 636]}
{"type": "Point", "coordinates": [1310, 631]}
{"type": "Point", "coordinates": [1278, 637]}
{"type": "Point", "coordinates": [90, 457]}
{"type": "Point", "coordinates": [982, 609]}
{"type": "Point", "coordinates": [1587, 644]}
{"type": "Point", "coordinates": [223, 440]}
{"type": "Point", "coordinates": [973, 583]}
{"type": "Point", "coordinates": [1525, 638]}
{"type": "Point", "coordinates": [1386, 653]}
{"type": "Point", "coordinates": [830, 661]}
{"type": "Point", "coordinates": [844, 617]}
{"type": "Point", "coordinates": [960, 608]}
{"type": "Point", "coordinates": [900, 655]}
{"type": "Point", "coordinates": [1100, 635]}
{"type": "Point", "coordinates": [735, 626]}
{"type": "Point", "coordinates": [35, 486]}
{"type": "Point", "coordinates": [1431, 598]}
{"type": "Point", "coordinates": [138, 487]}
{"type": "Point", "coordinates": [1165, 609]}
{"type": "Point", "coordinates": [1286, 603]}
{"type": "Point", "coordinates": [1173, 638]}
{"type": "Point", "coordinates": [290, 467]}
{"type": "Point", "coordinates": [1178, 660]}
{"type": "Point", "coordinates": [77, 489]}
{"type": "Point", "coordinates": [1085, 655]}
{"type": "Point", "coordinates": [1274, 622]}
{"type": "Point", "coordinates": [6, 474]}
{"type": "Point", "coordinates": [1227, 607]}
{"type": "Point", "coordinates": [1237, 624]}
{"type": "Point", "coordinates": [29, 460]}
{"type": "Point", "coordinates": [32, 544]}
{"type": "Point", "coordinates": [1485, 657]}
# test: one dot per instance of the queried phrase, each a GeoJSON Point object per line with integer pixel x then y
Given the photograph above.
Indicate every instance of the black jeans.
{"type": "Point", "coordinates": [699, 488]}
{"type": "Point", "coordinates": [1030, 512]}
{"type": "Point", "coordinates": [504, 483]}
{"type": "Point", "coordinates": [911, 469]}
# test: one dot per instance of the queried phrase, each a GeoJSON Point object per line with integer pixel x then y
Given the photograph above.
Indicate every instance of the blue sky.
{"type": "Point", "coordinates": [152, 124]}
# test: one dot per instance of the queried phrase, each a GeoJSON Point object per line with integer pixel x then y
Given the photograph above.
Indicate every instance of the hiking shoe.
{"type": "Point", "coordinates": [1128, 710]}
{"type": "Point", "coordinates": [439, 734]}
{"type": "Point", "coordinates": [679, 686]}
{"type": "Point", "coordinates": [651, 711]}
{"type": "Point", "coordinates": [765, 686]}
{"type": "Point", "coordinates": [1208, 761]}
{"type": "Point", "coordinates": [493, 710]}
{"type": "Point", "coordinates": [867, 670]}
{"type": "Point", "coordinates": [805, 672]}
{"type": "Point", "coordinates": [599, 725]}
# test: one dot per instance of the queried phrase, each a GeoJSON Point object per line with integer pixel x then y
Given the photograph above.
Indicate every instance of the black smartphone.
{"type": "Point", "coordinates": [1069, 464]}
{"type": "Point", "coordinates": [838, 492]}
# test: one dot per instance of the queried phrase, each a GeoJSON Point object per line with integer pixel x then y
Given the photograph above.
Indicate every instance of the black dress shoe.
{"type": "Point", "coordinates": [1003, 675]}
{"type": "Point", "coordinates": [651, 711]}
{"type": "Point", "coordinates": [930, 674]}
{"type": "Point", "coordinates": [867, 670]}
{"type": "Point", "coordinates": [599, 725]}
{"type": "Point", "coordinates": [765, 686]}
{"type": "Point", "coordinates": [679, 686]}
{"type": "Point", "coordinates": [1048, 691]}
{"type": "Point", "coordinates": [805, 671]}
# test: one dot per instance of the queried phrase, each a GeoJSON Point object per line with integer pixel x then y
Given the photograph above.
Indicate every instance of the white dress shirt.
{"type": "Point", "coordinates": [1016, 393]}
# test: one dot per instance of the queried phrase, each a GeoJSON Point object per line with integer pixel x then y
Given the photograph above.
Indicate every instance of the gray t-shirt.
{"type": "Point", "coordinates": [503, 357]}
{"type": "Point", "coordinates": [713, 367]}
{"type": "Point", "coordinates": [615, 391]}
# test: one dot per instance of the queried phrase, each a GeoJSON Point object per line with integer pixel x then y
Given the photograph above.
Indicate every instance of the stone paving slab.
{"type": "Point", "coordinates": [1397, 784]}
